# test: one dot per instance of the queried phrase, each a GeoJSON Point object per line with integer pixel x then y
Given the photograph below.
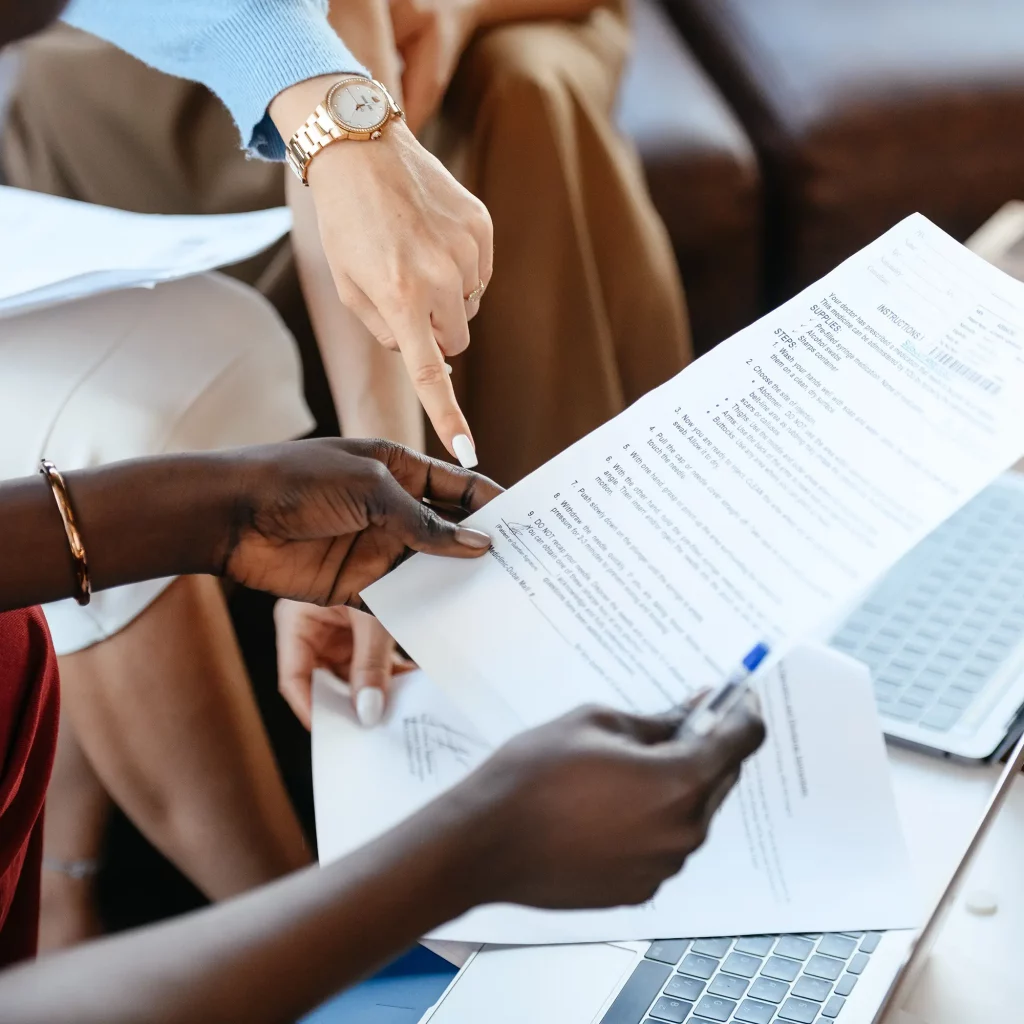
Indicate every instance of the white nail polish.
{"type": "Point", "coordinates": [448, 368]}
{"type": "Point", "coordinates": [464, 451]}
{"type": "Point", "coordinates": [369, 706]}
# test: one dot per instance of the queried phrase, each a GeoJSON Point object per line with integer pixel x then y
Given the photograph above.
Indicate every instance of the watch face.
{"type": "Point", "coordinates": [359, 105]}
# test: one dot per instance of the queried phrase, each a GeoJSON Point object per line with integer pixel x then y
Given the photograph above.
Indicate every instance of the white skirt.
{"type": "Point", "coordinates": [190, 365]}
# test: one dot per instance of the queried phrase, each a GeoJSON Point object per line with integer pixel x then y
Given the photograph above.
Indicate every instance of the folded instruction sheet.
{"type": "Point", "coordinates": [808, 841]}
{"type": "Point", "coordinates": [744, 500]}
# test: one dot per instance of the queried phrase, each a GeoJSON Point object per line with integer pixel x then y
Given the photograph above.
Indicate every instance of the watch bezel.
{"type": "Point", "coordinates": [344, 125]}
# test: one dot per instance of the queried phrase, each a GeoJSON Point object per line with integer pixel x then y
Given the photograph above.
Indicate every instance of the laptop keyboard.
{"type": "Point", "coordinates": [941, 624]}
{"type": "Point", "coordinates": [754, 979]}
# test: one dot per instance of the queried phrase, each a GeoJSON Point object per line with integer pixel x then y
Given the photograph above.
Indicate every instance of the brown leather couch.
{"type": "Point", "coordinates": [863, 111]}
{"type": "Point", "coordinates": [702, 173]}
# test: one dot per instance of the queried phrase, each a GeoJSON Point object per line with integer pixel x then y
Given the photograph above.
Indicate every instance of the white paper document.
{"type": "Point", "coordinates": [809, 841]}
{"type": "Point", "coordinates": [744, 500]}
{"type": "Point", "coordinates": [62, 250]}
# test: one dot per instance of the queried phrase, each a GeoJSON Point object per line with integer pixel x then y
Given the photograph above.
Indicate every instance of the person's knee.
{"type": "Point", "coordinates": [212, 310]}
{"type": "Point", "coordinates": [532, 66]}
{"type": "Point", "coordinates": [256, 396]}
{"type": "Point", "coordinates": [517, 66]}
{"type": "Point", "coordinates": [200, 363]}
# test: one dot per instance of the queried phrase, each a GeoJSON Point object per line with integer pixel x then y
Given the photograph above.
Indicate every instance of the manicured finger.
{"type": "Point", "coordinates": [373, 661]}
{"type": "Point", "coordinates": [420, 528]}
{"type": "Point", "coordinates": [426, 368]}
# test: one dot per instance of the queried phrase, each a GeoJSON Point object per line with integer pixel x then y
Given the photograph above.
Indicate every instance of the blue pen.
{"type": "Point", "coordinates": [714, 706]}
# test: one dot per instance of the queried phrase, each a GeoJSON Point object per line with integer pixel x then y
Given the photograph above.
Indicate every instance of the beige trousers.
{"type": "Point", "coordinates": [585, 312]}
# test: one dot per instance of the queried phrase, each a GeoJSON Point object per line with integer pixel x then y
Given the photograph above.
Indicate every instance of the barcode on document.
{"type": "Point", "coordinates": [951, 362]}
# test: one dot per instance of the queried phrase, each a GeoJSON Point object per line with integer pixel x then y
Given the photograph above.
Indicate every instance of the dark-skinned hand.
{"type": "Point", "coordinates": [324, 519]}
{"type": "Point", "coordinates": [598, 808]}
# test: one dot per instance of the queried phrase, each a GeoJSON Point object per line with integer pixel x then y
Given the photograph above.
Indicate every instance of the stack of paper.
{"type": "Point", "coordinates": [745, 500]}
{"type": "Point", "coordinates": [58, 250]}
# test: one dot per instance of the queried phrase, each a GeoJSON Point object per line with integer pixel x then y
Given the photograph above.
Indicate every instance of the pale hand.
{"type": "Point", "coordinates": [351, 644]}
{"type": "Point", "coordinates": [406, 244]}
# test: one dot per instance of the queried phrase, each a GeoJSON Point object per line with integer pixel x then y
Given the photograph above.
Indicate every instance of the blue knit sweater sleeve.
{"type": "Point", "coordinates": [246, 51]}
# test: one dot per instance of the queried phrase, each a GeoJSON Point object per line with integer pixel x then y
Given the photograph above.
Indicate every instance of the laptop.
{"type": "Point", "coordinates": [846, 978]}
{"type": "Point", "coordinates": [943, 632]}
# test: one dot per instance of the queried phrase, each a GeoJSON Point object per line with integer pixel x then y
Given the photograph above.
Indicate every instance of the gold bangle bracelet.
{"type": "Point", "coordinates": [67, 515]}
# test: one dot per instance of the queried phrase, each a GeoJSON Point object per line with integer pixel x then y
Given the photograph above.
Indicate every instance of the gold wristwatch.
{"type": "Point", "coordinates": [355, 108]}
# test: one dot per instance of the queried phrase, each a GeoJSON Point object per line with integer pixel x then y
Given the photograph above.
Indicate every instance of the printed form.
{"type": "Point", "coordinates": [744, 500]}
{"type": "Point", "coordinates": [809, 840]}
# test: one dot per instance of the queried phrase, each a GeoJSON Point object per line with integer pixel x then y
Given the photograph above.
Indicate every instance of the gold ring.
{"type": "Point", "coordinates": [476, 293]}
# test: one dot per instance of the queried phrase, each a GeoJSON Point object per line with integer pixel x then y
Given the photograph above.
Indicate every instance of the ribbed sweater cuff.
{"type": "Point", "coordinates": [263, 47]}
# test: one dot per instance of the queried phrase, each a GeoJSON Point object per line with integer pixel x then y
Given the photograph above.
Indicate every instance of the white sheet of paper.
{"type": "Point", "coordinates": [67, 250]}
{"type": "Point", "coordinates": [809, 841]}
{"type": "Point", "coordinates": [743, 500]}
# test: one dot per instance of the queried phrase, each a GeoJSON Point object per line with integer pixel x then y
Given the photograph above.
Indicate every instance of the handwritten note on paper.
{"type": "Point", "coordinates": [435, 750]}
{"type": "Point", "coordinates": [368, 780]}
{"type": "Point", "coordinates": [741, 501]}
{"type": "Point", "coordinates": [796, 847]}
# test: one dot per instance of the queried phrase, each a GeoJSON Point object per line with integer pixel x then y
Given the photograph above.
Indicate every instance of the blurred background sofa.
{"type": "Point", "coordinates": [863, 111]}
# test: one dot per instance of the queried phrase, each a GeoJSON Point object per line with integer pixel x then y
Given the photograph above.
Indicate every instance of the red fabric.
{"type": "Point", "coordinates": [29, 707]}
